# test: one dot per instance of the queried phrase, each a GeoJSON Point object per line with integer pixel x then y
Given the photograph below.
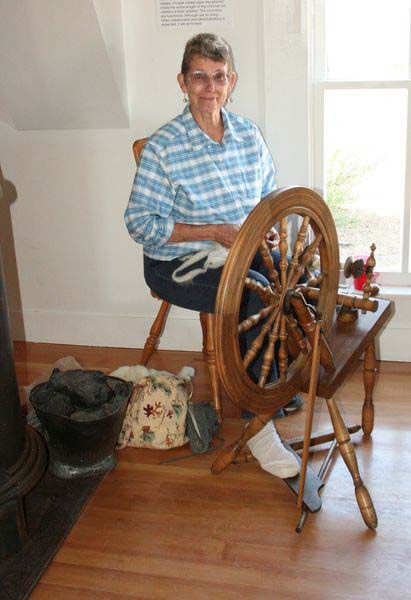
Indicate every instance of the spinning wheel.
{"type": "Point", "coordinates": [291, 329]}
{"type": "Point", "coordinates": [285, 323]}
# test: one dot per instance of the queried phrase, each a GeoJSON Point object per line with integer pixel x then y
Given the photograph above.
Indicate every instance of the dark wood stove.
{"type": "Point", "coordinates": [23, 456]}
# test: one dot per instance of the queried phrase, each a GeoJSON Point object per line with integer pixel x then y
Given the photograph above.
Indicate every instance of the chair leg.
{"type": "Point", "coordinates": [207, 325]}
{"type": "Point", "coordinates": [370, 367]}
{"type": "Point", "coordinates": [155, 332]}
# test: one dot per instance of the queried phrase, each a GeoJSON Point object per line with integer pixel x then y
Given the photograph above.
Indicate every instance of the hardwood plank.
{"type": "Point", "coordinates": [145, 586]}
{"type": "Point", "coordinates": [51, 592]}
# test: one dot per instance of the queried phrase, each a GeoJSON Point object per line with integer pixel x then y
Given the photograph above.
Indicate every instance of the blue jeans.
{"type": "Point", "coordinates": [200, 293]}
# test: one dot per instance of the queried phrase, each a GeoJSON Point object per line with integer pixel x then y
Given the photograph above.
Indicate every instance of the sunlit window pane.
{"type": "Point", "coordinates": [365, 142]}
{"type": "Point", "coordinates": [367, 39]}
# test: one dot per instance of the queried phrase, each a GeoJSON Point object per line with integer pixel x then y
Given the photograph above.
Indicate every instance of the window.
{"type": "Point", "coordinates": [361, 126]}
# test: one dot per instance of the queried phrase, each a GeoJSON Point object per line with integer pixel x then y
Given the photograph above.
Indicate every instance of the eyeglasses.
{"type": "Point", "coordinates": [200, 78]}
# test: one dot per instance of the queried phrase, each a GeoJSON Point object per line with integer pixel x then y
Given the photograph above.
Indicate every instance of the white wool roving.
{"type": "Point", "coordinates": [131, 373]}
{"type": "Point", "coordinates": [215, 256]}
{"type": "Point", "coordinates": [135, 373]}
{"type": "Point", "coordinates": [186, 373]}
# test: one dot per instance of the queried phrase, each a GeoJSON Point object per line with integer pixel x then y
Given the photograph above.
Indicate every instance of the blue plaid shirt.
{"type": "Point", "coordinates": [185, 177]}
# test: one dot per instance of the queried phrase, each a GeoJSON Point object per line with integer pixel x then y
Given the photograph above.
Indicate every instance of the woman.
{"type": "Point", "coordinates": [199, 177]}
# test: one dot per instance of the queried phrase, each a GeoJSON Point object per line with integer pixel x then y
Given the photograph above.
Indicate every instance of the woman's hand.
{"type": "Point", "coordinates": [225, 234]}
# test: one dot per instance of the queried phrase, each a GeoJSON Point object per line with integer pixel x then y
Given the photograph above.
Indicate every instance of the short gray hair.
{"type": "Point", "coordinates": [206, 45]}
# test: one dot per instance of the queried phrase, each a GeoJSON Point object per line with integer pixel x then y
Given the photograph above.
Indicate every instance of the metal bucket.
{"type": "Point", "coordinates": [81, 448]}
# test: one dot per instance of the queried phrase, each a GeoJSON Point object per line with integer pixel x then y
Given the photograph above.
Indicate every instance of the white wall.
{"type": "Point", "coordinates": [80, 275]}
{"type": "Point", "coordinates": [58, 64]}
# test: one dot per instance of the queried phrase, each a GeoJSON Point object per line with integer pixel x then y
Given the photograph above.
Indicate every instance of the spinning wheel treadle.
{"type": "Point", "coordinates": [291, 328]}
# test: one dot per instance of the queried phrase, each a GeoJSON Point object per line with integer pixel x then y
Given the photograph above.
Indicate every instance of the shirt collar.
{"type": "Point", "coordinates": [229, 129]}
{"type": "Point", "coordinates": [199, 138]}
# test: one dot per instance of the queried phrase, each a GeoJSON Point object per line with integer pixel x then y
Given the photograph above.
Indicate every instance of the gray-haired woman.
{"type": "Point", "coordinates": [199, 177]}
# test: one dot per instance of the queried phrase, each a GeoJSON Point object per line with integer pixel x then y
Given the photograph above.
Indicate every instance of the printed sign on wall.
{"type": "Point", "coordinates": [173, 14]}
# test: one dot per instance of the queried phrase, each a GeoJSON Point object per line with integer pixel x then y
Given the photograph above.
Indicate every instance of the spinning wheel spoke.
{"type": "Point", "coordinates": [269, 264]}
{"type": "Point", "coordinates": [269, 353]}
{"type": "Point", "coordinates": [298, 248]}
{"type": "Point", "coordinates": [307, 321]}
{"type": "Point", "coordinates": [283, 251]}
{"type": "Point", "coordinates": [292, 346]}
{"type": "Point", "coordinates": [259, 340]}
{"type": "Point", "coordinates": [283, 352]}
{"type": "Point", "coordinates": [296, 334]}
{"type": "Point", "coordinates": [266, 293]}
{"type": "Point", "coordinates": [253, 320]}
{"type": "Point", "coordinates": [305, 259]}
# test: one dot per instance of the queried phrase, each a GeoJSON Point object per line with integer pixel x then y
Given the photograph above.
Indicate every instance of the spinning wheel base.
{"type": "Point", "coordinates": [313, 484]}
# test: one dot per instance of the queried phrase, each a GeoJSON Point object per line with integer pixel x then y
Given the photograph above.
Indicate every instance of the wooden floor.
{"type": "Point", "coordinates": [173, 530]}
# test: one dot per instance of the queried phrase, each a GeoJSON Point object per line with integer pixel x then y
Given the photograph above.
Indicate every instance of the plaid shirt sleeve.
{"type": "Point", "coordinates": [269, 183]}
{"type": "Point", "coordinates": [148, 214]}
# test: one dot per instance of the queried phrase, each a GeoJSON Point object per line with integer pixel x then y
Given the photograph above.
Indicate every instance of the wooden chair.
{"type": "Point", "coordinates": [206, 320]}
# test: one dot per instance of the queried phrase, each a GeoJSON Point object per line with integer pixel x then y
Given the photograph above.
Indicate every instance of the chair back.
{"type": "Point", "coordinates": [137, 148]}
{"type": "Point", "coordinates": [207, 324]}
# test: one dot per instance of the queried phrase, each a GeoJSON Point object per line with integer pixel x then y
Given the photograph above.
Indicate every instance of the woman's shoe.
{"type": "Point", "coordinates": [296, 403]}
{"type": "Point", "coordinates": [267, 448]}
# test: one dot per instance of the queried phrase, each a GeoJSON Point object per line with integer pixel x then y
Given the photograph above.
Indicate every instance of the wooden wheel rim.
{"type": "Point", "coordinates": [281, 203]}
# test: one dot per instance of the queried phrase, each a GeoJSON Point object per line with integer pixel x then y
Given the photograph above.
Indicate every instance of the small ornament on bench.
{"type": "Point", "coordinates": [359, 271]}
{"type": "Point", "coordinates": [370, 289]}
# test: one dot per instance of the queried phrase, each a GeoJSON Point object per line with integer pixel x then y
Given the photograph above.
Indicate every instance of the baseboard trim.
{"type": "Point", "coordinates": [131, 331]}
{"type": "Point", "coordinates": [115, 331]}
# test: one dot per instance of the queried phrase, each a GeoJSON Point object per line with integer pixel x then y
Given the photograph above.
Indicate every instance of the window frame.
{"type": "Point", "coordinates": [318, 85]}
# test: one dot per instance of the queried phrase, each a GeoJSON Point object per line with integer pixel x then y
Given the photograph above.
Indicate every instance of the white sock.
{"type": "Point", "coordinates": [267, 448]}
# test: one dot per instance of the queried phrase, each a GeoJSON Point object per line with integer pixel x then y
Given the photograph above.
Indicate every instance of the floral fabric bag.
{"type": "Point", "coordinates": [157, 411]}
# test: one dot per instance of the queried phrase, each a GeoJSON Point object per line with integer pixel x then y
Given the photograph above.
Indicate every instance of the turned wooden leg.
{"type": "Point", "coordinates": [228, 454]}
{"type": "Point", "coordinates": [155, 332]}
{"type": "Point", "coordinates": [207, 325]}
{"type": "Point", "coordinates": [312, 393]}
{"type": "Point", "coordinates": [346, 448]}
{"type": "Point", "coordinates": [370, 367]}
